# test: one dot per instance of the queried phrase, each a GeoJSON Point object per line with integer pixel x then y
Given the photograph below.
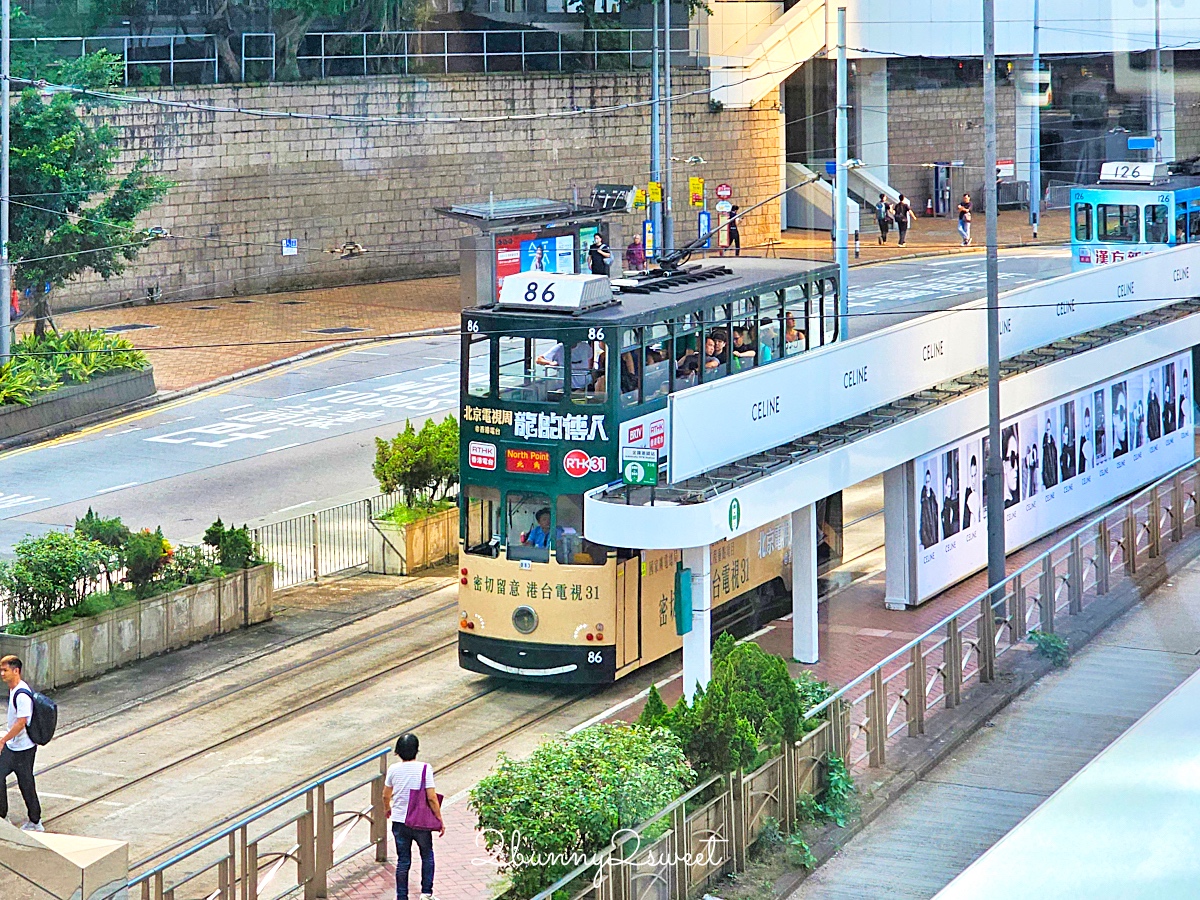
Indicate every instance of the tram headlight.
{"type": "Point", "coordinates": [524, 619]}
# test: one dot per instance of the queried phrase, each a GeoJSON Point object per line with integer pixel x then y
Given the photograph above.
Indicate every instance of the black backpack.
{"type": "Point", "coordinates": [40, 727]}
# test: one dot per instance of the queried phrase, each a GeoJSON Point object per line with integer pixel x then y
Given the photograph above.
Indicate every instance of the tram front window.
{"type": "Point", "coordinates": [589, 363]}
{"type": "Point", "coordinates": [1156, 224]}
{"type": "Point", "coordinates": [479, 365]}
{"type": "Point", "coordinates": [570, 548]}
{"type": "Point", "coordinates": [482, 534]}
{"type": "Point", "coordinates": [1083, 222]}
{"type": "Point", "coordinates": [1117, 223]}
{"type": "Point", "coordinates": [530, 533]}
{"type": "Point", "coordinates": [531, 369]}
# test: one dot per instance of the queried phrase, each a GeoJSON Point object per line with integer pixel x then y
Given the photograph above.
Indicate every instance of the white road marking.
{"type": "Point", "coordinates": [61, 796]}
{"type": "Point", "coordinates": [239, 406]}
{"type": "Point", "coordinates": [368, 353]}
{"type": "Point", "coordinates": [624, 704]}
{"type": "Point", "coordinates": [284, 447]}
{"type": "Point", "coordinates": [118, 487]}
{"type": "Point", "coordinates": [297, 506]}
{"type": "Point", "coordinates": [7, 501]}
{"type": "Point", "coordinates": [758, 633]}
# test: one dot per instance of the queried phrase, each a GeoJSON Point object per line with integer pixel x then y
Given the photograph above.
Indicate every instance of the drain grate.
{"type": "Point", "coordinates": [342, 329]}
{"type": "Point", "coordinates": [136, 326]}
{"type": "Point", "coordinates": [203, 307]}
{"type": "Point", "coordinates": [292, 302]}
{"type": "Point", "coordinates": [242, 302]}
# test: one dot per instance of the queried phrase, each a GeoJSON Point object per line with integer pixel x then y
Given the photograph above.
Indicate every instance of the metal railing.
{"type": "Point", "coordinates": [286, 847]}
{"type": "Point", "coordinates": [326, 542]}
{"type": "Point", "coordinates": [174, 59]}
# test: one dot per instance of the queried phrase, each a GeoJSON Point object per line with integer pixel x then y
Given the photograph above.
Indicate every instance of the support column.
{"type": "Point", "coordinates": [697, 643]}
{"type": "Point", "coordinates": [873, 116]}
{"type": "Point", "coordinates": [899, 541]}
{"type": "Point", "coordinates": [1166, 105]}
{"type": "Point", "coordinates": [804, 584]}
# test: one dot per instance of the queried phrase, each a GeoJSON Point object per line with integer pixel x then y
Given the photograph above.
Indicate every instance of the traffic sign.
{"type": "Point", "coordinates": [724, 206]}
{"type": "Point", "coordinates": [696, 191]}
{"type": "Point", "coordinates": [724, 191]}
{"type": "Point", "coordinates": [639, 466]}
{"type": "Point", "coordinates": [704, 226]}
{"type": "Point", "coordinates": [654, 191]}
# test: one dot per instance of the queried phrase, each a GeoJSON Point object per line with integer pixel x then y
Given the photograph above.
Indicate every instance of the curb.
{"type": "Point", "coordinates": [979, 706]}
{"type": "Point", "coordinates": [163, 397]}
{"type": "Point", "coordinates": [949, 251]}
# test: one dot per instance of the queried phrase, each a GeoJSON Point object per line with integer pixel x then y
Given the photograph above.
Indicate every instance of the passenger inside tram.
{"type": "Point", "coordinates": [581, 363]}
{"type": "Point", "coordinates": [743, 348]}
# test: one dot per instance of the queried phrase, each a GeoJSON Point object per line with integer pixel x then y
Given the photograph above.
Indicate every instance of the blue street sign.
{"type": "Point", "coordinates": [649, 244]}
{"type": "Point", "coordinates": [1140, 143]}
{"type": "Point", "coordinates": [830, 167]}
{"type": "Point", "coordinates": [704, 227]}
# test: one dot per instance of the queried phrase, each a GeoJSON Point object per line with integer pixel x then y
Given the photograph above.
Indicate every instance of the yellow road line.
{"type": "Point", "coordinates": [73, 436]}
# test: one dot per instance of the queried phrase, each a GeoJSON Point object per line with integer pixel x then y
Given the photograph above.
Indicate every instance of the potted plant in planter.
{"type": "Point", "coordinates": [422, 466]}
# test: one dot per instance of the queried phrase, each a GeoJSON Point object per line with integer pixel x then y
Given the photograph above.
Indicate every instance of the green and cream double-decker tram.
{"type": "Point", "coordinates": [552, 388]}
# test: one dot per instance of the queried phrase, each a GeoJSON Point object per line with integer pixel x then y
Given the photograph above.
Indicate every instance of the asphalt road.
{"type": "Point", "coordinates": [301, 438]}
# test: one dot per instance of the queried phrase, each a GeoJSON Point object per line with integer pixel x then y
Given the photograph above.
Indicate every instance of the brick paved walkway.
{"type": "Point", "coordinates": [238, 333]}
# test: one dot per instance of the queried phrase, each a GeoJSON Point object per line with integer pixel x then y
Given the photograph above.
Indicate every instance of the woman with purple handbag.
{"type": "Point", "coordinates": [415, 811]}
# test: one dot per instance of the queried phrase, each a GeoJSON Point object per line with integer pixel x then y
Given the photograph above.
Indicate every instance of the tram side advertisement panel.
{"type": "Point", "coordinates": [1060, 462]}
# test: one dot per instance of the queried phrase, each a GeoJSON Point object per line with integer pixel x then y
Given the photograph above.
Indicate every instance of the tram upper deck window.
{"type": "Point", "coordinates": [1083, 222]}
{"type": "Point", "coordinates": [481, 534]}
{"type": "Point", "coordinates": [656, 372]}
{"type": "Point", "coordinates": [529, 530]}
{"type": "Point", "coordinates": [829, 307]}
{"type": "Point", "coordinates": [531, 369]}
{"type": "Point", "coordinates": [1181, 234]}
{"type": "Point", "coordinates": [743, 337]}
{"type": "Point", "coordinates": [795, 319]}
{"type": "Point", "coordinates": [769, 319]}
{"type": "Point", "coordinates": [570, 546]}
{"type": "Point", "coordinates": [478, 353]}
{"type": "Point", "coordinates": [1155, 221]}
{"type": "Point", "coordinates": [688, 347]}
{"type": "Point", "coordinates": [1193, 226]}
{"type": "Point", "coordinates": [1117, 223]}
{"type": "Point", "coordinates": [716, 344]}
{"type": "Point", "coordinates": [630, 366]}
{"type": "Point", "coordinates": [589, 365]}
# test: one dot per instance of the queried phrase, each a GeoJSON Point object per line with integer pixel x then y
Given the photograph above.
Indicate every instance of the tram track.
{"type": "Point", "coordinates": [240, 735]}
{"type": "Point", "coordinates": [261, 653]}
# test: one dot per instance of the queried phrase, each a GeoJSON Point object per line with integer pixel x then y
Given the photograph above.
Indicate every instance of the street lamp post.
{"type": "Point", "coordinates": [668, 235]}
{"type": "Point", "coordinates": [1035, 140]}
{"type": "Point", "coordinates": [995, 481]}
{"type": "Point", "coordinates": [841, 176]}
{"type": "Point", "coordinates": [5, 129]}
{"type": "Point", "coordinates": [655, 136]}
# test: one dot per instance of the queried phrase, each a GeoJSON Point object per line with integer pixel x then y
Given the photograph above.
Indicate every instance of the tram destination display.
{"type": "Point", "coordinates": [1060, 461]}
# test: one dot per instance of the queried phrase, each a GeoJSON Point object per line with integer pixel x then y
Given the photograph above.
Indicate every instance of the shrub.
{"type": "Point", "coordinates": [235, 547]}
{"type": "Point", "coordinates": [1052, 647]}
{"type": "Point", "coordinates": [545, 815]}
{"type": "Point", "coordinates": [419, 464]}
{"type": "Point", "coordinates": [112, 533]}
{"type": "Point", "coordinates": [751, 704]}
{"type": "Point", "coordinates": [41, 364]}
{"type": "Point", "coordinates": [50, 574]}
{"type": "Point", "coordinates": [144, 555]}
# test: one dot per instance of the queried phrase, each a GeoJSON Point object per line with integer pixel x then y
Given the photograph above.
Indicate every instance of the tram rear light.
{"type": "Point", "coordinates": [599, 627]}
{"type": "Point", "coordinates": [471, 625]}
{"type": "Point", "coordinates": [463, 579]}
{"type": "Point", "coordinates": [463, 570]}
{"type": "Point", "coordinates": [599, 637]}
{"type": "Point", "coordinates": [589, 636]}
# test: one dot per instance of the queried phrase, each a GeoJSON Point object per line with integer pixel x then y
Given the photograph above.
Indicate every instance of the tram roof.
{"type": "Point", "coordinates": [1173, 183]}
{"type": "Point", "coordinates": [658, 299]}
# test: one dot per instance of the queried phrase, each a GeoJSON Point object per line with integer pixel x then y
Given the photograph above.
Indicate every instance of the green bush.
{"type": "Point", "coordinates": [1052, 647]}
{"type": "Point", "coordinates": [235, 547]}
{"type": "Point", "coordinates": [750, 706]}
{"type": "Point", "coordinates": [545, 815]}
{"type": "Point", "coordinates": [420, 464]}
{"type": "Point", "coordinates": [50, 574]}
{"type": "Point", "coordinates": [144, 555]}
{"type": "Point", "coordinates": [112, 533]}
{"type": "Point", "coordinates": [40, 365]}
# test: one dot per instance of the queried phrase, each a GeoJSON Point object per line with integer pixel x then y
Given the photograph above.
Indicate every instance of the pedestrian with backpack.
{"type": "Point", "coordinates": [19, 750]}
{"type": "Point", "coordinates": [903, 214]}
{"type": "Point", "coordinates": [415, 811]}
{"type": "Point", "coordinates": [883, 218]}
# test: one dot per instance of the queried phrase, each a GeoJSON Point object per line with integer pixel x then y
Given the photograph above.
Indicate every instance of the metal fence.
{"type": "Point", "coordinates": [326, 542]}
{"type": "Point", "coordinates": [148, 59]}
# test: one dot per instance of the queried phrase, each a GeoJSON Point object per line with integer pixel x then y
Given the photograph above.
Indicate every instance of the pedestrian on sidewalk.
{"type": "Point", "coordinates": [17, 754]}
{"type": "Point", "coordinates": [964, 219]}
{"type": "Point", "coordinates": [599, 256]}
{"type": "Point", "coordinates": [735, 236]}
{"type": "Point", "coordinates": [415, 814]}
{"type": "Point", "coordinates": [635, 254]}
{"type": "Point", "coordinates": [883, 218]}
{"type": "Point", "coordinates": [903, 214]}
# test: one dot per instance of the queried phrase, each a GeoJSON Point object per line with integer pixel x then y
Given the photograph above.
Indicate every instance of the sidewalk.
{"type": "Point", "coordinates": [198, 342]}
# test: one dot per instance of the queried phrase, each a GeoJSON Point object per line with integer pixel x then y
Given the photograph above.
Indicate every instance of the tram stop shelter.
{"type": "Point", "coordinates": [1074, 349]}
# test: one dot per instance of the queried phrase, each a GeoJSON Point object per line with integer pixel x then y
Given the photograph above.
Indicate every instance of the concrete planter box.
{"type": "Point", "coordinates": [85, 648]}
{"type": "Point", "coordinates": [76, 400]}
{"type": "Point", "coordinates": [404, 549]}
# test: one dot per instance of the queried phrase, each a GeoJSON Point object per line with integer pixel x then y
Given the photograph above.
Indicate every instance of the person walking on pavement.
{"type": "Point", "coordinates": [17, 754]}
{"type": "Point", "coordinates": [407, 784]}
{"type": "Point", "coordinates": [635, 254]}
{"type": "Point", "coordinates": [735, 236]}
{"type": "Point", "coordinates": [964, 219]}
{"type": "Point", "coordinates": [903, 214]}
{"type": "Point", "coordinates": [883, 218]}
{"type": "Point", "coordinates": [598, 256]}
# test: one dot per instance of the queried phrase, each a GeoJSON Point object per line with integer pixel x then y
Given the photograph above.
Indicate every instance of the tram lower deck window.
{"type": "Point", "coordinates": [529, 528]}
{"type": "Point", "coordinates": [1117, 223]}
{"type": "Point", "coordinates": [481, 531]}
{"type": "Point", "coordinates": [570, 547]}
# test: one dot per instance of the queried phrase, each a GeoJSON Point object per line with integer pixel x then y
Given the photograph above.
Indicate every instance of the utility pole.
{"type": "Point", "coordinates": [841, 237]}
{"type": "Point", "coordinates": [995, 480]}
{"type": "Point", "coordinates": [655, 136]}
{"type": "Point", "coordinates": [1157, 76]}
{"type": "Point", "coordinates": [1035, 133]}
{"type": "Point", "coordinates": [5, 132]}
{"type": "Point", "coordinates": [668, 238]}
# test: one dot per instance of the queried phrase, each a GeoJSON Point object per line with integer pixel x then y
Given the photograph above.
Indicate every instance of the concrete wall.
{"type": "Point", "coordinates": [85, 648]}
{"type": "Point", "coordinates": [940, 125]}
{"type": "Point", "coordinates": [75, 401]}
{"type": "Point", "coordinates": [244, 183]}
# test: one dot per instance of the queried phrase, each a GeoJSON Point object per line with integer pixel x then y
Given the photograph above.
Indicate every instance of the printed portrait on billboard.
{"type": "Point", "coordinates": [1119, 426]}
{"type": "Point", "coordinates": [1087, 443]}
{"type": "Point", "coordinates": [951, 515]}
{"type": "Point", "coordinates": [1066, 447]}
{"type": "Point", "coordinates": [1170, 409]}
{"type": "Point", "coordinates": [1184, 419]}
{"type": "Point", "coordinates": [972, 492]}
{"type": "Point", "coordinates": [1047, 422]}
{"type": "Point", "coordinates": [1099, 432]}
{"type": "Point", "coordinates": [1153, 406]}
{"type": "Point", "coordinates": [985, 446]}
{"type": "Point", "coordinates": [1011, 463]}
{"type": "Point", "coordinates": [930, 504]}
{"type": "Point", "coordinates": [1136, 399]}
{"type": "Point", "coordinates": [1031, 459]}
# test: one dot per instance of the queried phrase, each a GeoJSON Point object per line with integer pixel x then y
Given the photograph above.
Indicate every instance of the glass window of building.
{"type": "Point", "coordinates": [478, 352]}
{"type": "Point", "coordinates": [570, 546]}
{"type": "Point", "coordinates": [1083, 221]}
{"type": "Point", "coordinates": [656, 371]}
{"type": "Point", "coordinates": [1155, 218]}
{"type": "Point", "coordinates": [482, 511]}
{"type": "Point", "coordinates": [528, 526]}
{"type": "Point", "coordinates": [531, 369]}
{"type": "Point", "coordinates": [1117, 223]}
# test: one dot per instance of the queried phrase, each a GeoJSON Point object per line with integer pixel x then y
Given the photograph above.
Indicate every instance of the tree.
{"type": "Point", "coordinates": [60, 164]}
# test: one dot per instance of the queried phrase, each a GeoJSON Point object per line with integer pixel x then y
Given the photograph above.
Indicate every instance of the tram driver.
{"type": "Point", "coordinates": [539, 535]}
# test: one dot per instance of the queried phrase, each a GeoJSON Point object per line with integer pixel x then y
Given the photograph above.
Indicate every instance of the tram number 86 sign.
{"type": "Point", "coordinates": [639, 466]}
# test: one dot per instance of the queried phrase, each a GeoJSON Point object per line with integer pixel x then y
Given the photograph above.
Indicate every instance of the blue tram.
{"type": "Point", "coordinates": [1135, 208]}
